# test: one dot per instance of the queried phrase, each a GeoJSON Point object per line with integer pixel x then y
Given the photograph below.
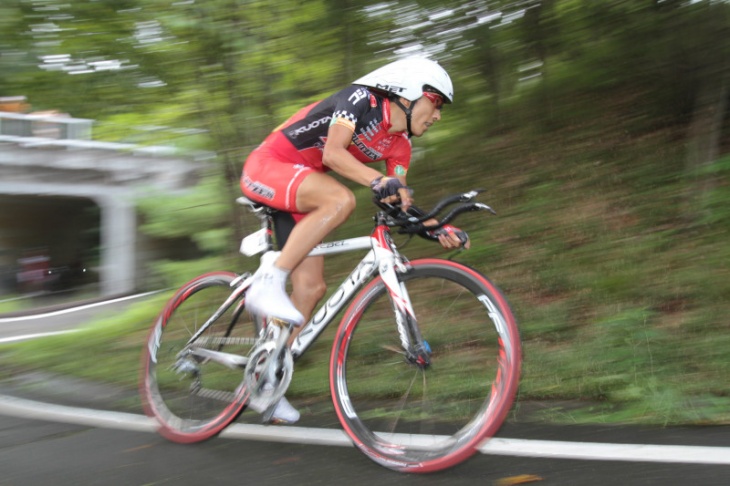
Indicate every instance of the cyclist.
{"type": "Point", "coordinates": [371, 120]}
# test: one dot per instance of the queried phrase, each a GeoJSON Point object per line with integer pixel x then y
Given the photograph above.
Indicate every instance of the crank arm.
{"type": "Point", "coordinates": [229, 360]}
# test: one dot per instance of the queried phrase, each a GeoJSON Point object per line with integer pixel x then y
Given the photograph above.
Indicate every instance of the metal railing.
{"type": "Point", "coordinates": [57, 127]}
{"type": "Point", "coordinates": [40, 130]}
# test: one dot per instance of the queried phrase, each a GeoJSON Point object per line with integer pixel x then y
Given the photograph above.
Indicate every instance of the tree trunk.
{"type": "Point", "coordinates": [703, 141]}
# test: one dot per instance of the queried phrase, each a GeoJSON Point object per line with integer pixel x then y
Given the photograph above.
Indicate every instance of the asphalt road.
{"type": "Point", "coordinates": [36, 452]}
{"type": "Point", "coordinates": [38, 446]}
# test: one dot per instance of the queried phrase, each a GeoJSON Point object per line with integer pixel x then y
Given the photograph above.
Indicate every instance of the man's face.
{"type": "Point", "coordinates": [425, 113]}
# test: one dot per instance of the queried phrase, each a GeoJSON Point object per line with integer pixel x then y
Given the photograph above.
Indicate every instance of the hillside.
{"type": "Point", "coordinates": [614, 256]}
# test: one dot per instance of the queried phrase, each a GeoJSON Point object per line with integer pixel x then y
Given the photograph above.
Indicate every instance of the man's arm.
{"type": "Point", "coordinates": [336, 157]}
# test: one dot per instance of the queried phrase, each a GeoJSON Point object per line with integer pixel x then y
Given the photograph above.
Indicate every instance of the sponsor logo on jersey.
{"type": "Point", "coordinates": [400, 170]}
{"type": "Point", "coordinates": [358, 95]}
{"type": "Point", "coordinates": [319, 144]}
{"type": "Point", "coordinates": [259, 189]}
{"type": "Point", "coordinates": [370, 131]}
{"type": "Point", "coordinates": [384, 144]}
{"type": "Point", "coordinates": [295, 132]}
{"type": "Point", "coordinates": [369, 152]}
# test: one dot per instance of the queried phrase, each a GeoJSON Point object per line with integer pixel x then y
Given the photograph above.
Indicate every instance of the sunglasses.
{"type": "Point", "coordinates": [436, 99]}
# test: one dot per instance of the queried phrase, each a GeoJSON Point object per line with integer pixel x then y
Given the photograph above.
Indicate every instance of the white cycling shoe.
{"type": "Point", "coordinates": [267, 294]}
{"type": "Point", "coordinates": [283, 412]}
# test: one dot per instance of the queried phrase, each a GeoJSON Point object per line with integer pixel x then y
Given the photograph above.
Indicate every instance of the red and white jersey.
{"type": "Point", "coordinates": [301, 139]}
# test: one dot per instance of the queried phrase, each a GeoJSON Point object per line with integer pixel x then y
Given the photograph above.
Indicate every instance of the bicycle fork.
{"type": "Point", "coordinates": [417, 350]}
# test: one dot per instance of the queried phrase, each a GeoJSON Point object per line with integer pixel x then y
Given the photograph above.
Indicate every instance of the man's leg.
{"type": "Point", "coordinates": [328, 204]}
{"type": "Point", "coordinates": [308, 288]}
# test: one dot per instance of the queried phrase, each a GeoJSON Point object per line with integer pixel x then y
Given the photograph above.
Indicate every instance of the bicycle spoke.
{"type": "Point", "coordinates": [399, 406]}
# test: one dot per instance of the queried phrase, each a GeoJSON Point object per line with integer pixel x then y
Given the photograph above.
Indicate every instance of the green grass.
{"type": "Point", "coordinates": [107, 350]}
{"type": "Point", "coordinates": [10, 304]}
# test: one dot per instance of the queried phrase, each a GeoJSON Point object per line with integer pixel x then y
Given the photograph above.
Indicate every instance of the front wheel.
{"type": "Point", "coordinates": [192, 396]}
{"type": "Point", "coordinates": [415, 417]}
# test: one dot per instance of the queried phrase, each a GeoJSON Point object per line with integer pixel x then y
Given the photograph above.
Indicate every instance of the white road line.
{"type": "Point", "coordinates": [74, 309]}
{"type": "Point", "coordinates": [607, 452]}
{"type": "Point", "coordinates": [25, 337]}
{"type": "Point", "coordinates": [19, 407]}
{"type": "Point", "coordinates": [29, 409]}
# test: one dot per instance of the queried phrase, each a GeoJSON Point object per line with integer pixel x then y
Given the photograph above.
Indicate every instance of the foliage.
{"type": "Point", "coordinates": [190, 213]}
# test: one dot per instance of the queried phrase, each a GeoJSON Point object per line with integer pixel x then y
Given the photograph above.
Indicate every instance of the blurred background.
{"type": "Point", "coordinates": [598, 129]}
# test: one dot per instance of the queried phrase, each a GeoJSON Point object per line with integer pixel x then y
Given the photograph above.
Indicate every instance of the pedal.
{"type": "Point", "coordinates": [268, 373]}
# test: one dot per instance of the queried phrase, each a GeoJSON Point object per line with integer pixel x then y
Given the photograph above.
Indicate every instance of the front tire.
{"type": "Point", "coordinates": [415, 418]}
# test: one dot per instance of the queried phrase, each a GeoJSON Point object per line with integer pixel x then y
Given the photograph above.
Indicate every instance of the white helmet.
{"type": "Point", "coordinates": [409, 78]}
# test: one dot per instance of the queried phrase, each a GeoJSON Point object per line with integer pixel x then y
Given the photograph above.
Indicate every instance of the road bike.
{"type": "Point", "coordinates": [424, 366]}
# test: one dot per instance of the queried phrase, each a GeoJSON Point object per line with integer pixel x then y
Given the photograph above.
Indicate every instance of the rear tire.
{"type": "Point", "coordinates": [194, 399]}
{"type": "Point", "coordinates": [415, 418]}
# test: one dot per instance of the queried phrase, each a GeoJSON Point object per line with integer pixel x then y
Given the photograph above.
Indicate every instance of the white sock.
{"type": "Point", "coordinates": [277, 274]}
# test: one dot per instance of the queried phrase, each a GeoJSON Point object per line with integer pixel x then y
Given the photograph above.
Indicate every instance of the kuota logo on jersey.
{"type": "Point", "coordinates": [304, 129]}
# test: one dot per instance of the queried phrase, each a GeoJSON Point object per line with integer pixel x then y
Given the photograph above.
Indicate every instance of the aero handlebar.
{"type": "Point", "coordinates": [413, 221]}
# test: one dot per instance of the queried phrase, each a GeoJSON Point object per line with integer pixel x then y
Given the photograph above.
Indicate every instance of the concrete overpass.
{"type": "Point", "coordinates": [53, 161]}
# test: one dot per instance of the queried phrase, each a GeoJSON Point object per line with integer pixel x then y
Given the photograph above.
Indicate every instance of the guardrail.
{"type": "Point", "coordinates": [154, 150]}
{"type": "Point", "coordinates": [45, 126]}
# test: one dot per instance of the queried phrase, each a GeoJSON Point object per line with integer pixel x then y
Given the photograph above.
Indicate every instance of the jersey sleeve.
{"type": "Point", "coordinates": [350, 105]}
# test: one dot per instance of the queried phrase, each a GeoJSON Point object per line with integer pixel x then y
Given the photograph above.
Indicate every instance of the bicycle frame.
{"type": "Point", "coordinates": [382, 258]}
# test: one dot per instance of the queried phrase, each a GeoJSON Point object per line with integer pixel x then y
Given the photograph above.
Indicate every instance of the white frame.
{"type": "Point", "coordinates": [377, 260]}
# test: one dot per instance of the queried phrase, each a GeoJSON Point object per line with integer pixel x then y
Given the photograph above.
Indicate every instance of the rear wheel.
{"type": "Point", "coordinates": [418, 417]}
{"type": "Point", "coordinates": [192, 396]}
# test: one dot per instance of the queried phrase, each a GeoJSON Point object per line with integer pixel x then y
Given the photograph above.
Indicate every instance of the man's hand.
{"type": "Point", "coordinates": [452, 237]}
{"type": "Point", "coordinates": [406, 199]}
{"type": "Point", "coordinates": [390, 190]}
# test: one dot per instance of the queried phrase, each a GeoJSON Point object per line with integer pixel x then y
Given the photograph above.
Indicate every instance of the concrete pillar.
{"type": "Point", "coordinates": [118, 244]}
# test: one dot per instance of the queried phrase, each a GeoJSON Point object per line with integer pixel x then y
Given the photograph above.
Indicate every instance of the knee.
{"type": "Point", "coordinates": [344, 202]}
{"type": "Point", "coordinates": [351, 201]}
